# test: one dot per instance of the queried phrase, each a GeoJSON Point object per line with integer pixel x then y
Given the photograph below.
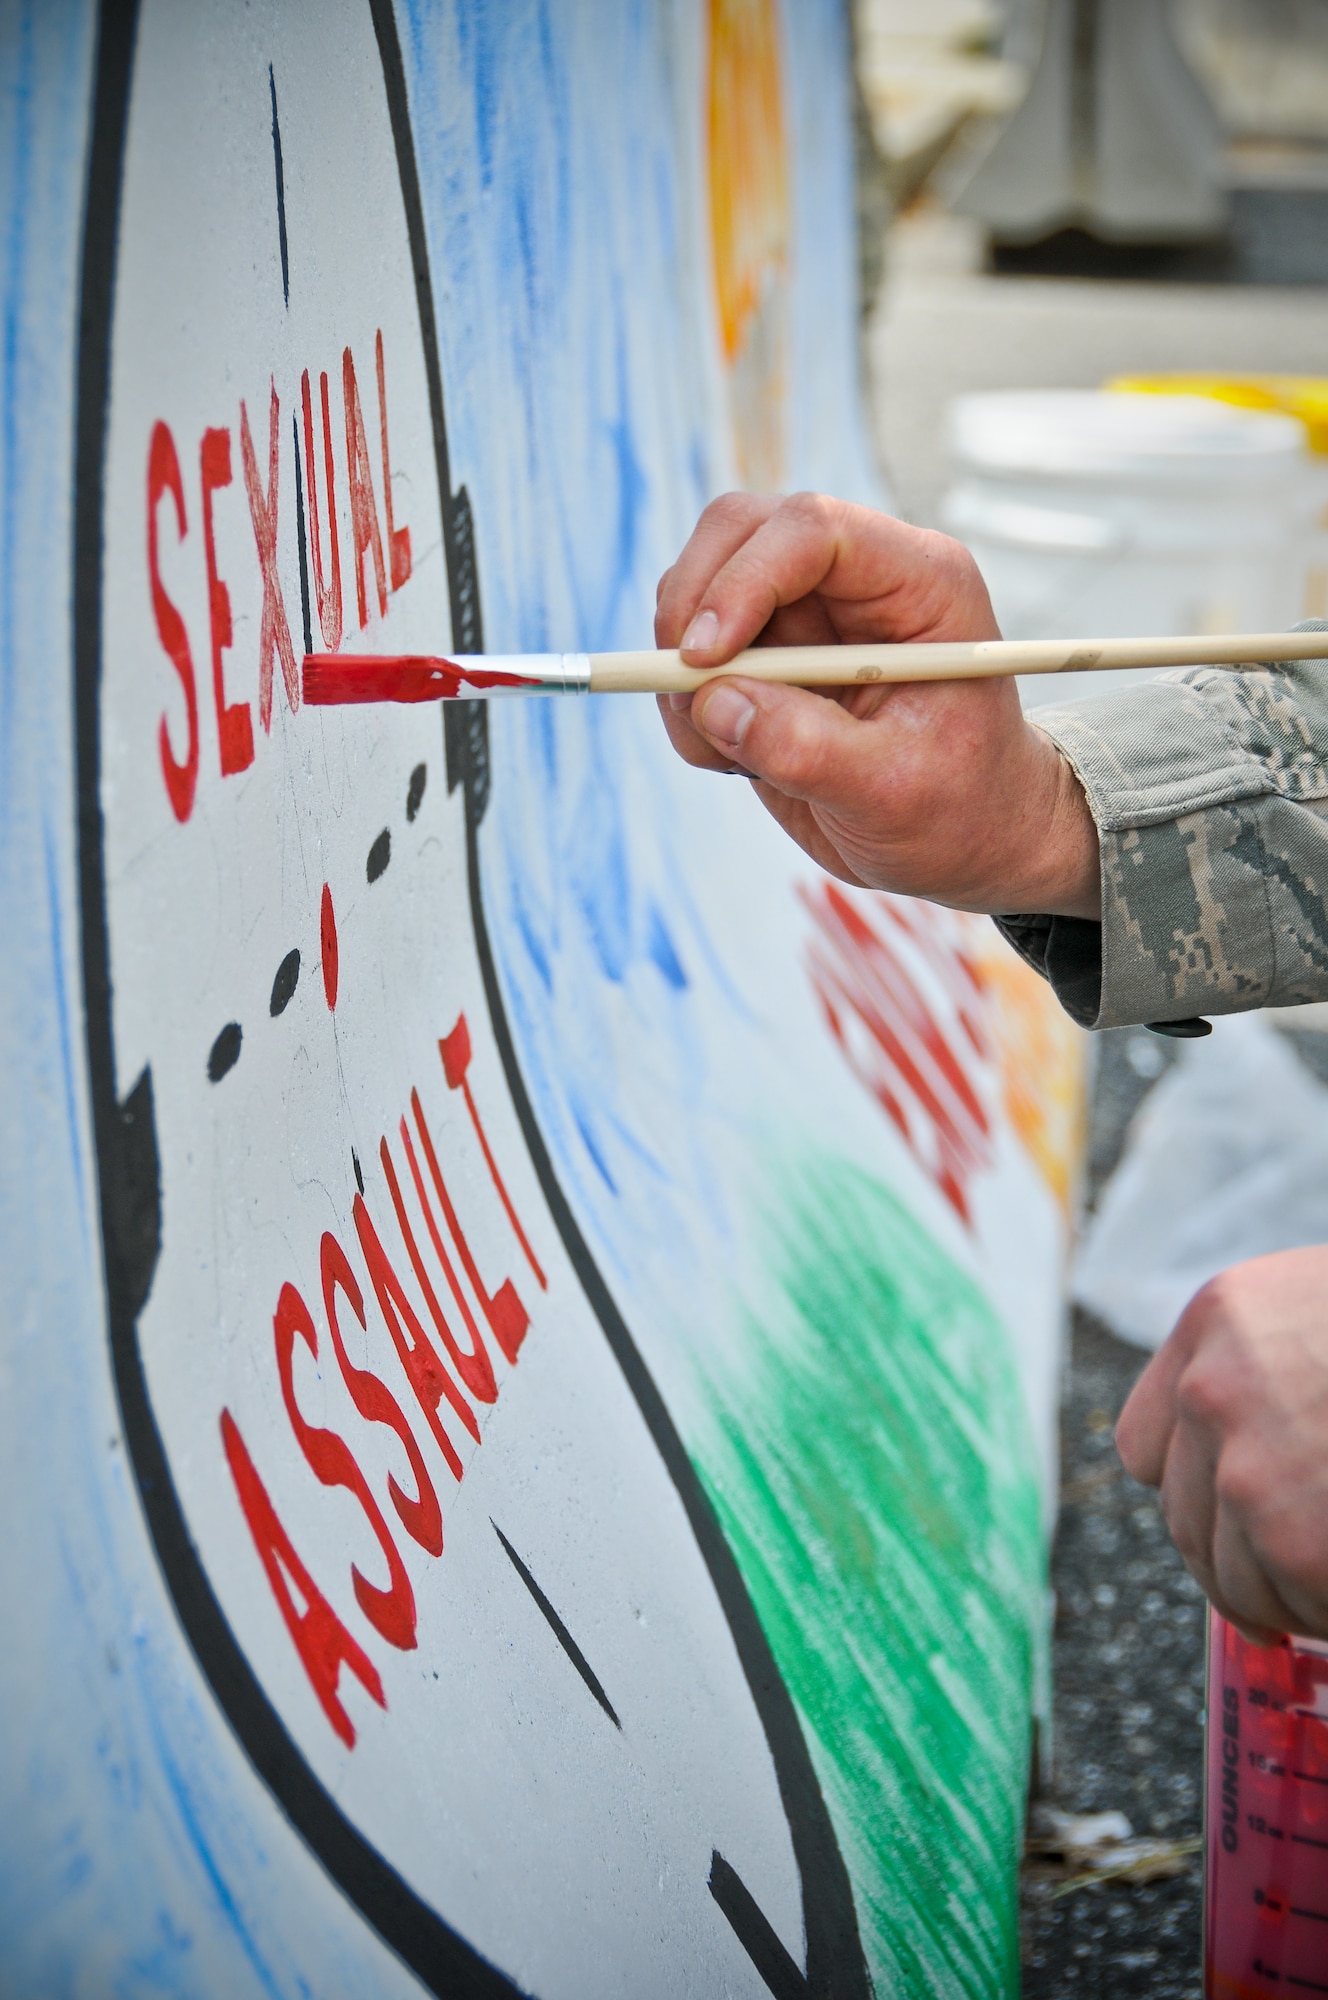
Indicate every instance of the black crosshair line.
{"type": "Point", "coordinates": [281, 188]}
{"type": "Point", "coordinates": [755, 1932]}
{"type": "Point", "coordinates": [559, 1630]}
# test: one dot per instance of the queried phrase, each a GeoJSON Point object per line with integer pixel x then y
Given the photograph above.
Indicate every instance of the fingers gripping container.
{"type": "Point", "coordinates": [1265, 1818]}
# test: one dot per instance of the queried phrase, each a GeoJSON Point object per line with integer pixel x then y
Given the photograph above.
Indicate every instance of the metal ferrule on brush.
{"type": "Point", "coordinates": [530, 673]}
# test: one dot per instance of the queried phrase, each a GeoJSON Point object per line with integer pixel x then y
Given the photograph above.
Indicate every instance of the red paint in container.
{"type": "Point", "coordinates": [1266, 1818]}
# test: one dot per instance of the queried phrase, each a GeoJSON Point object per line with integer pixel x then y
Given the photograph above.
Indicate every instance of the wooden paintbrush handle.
{"type": "Point", "coordinates": [846, 666]}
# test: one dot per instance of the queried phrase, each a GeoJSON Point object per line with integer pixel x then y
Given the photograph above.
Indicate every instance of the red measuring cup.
{"type": "Point", "coordinates": [1265, 1818]}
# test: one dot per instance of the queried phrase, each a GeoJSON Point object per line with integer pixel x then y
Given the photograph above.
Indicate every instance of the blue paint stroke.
{"type": "Point", "coordinates": [16, 205]}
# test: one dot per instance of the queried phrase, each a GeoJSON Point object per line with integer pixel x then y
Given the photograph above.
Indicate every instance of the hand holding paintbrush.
{"type": "Point", "coordinates": [771, 599]}
{"type": "Point", "coordinates": [933, 788]}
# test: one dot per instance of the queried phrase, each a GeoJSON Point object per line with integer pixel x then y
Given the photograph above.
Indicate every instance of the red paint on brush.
{"type": "Point", "coordinates": [335, 680]}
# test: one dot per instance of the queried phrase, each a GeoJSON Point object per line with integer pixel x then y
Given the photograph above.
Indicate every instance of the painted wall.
{"type": "Point", "coordinates": [529, 1316]}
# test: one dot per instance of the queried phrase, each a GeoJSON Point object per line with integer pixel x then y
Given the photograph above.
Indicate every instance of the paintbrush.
{"type": "Point", "coordinates": [334, 679]}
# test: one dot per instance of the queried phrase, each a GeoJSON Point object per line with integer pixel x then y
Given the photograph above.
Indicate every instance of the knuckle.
{"type": "Point", "coordinates": [814, 509]}
{"type": "Point", "coordinates": [790, 747]}
{"type": "Point", "coordinates": [1215, 1298]}
{"type": "Point", "coordinates": [1241, 1485]}
{"type": "Point", "coordinates": [956, 564]}
{"type": "Point", "coordinates": [1202, 1396]}
{"type": "Point", "coordinates": [1226, 1300]}
{"type": "Point", "coordinates": [730, 510]}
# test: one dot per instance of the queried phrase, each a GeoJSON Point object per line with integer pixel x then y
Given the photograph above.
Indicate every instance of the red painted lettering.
{"type": "Point", "coordinates": [164, 477]}
{"type": "Point", "coordinates": [327, 586]}
{"type": "Point", "coordinates": [363, 511]}
{"type": "Point", "coordinates": [886, 1028]}
{"type": "Point", "coordinates": [234, 728]}
{"type": "Point", "coordinates": [424, 1370]}
{"type": "Point", "coordinates": [390, 1611]}
{"type": "Point", "coordinates": [422, 1517]}
{"type": "Point", "coordinates": [327, 937]}
{"type": "Point", "coordinates": [398, 539]}
{"type": "Point", "coordinates": [455, 1052]}
{"type": "Point", "coordinates": [274, 636]}
{"type": "Point", "coordinates": [507, 1317]}
{"type": "Point", "coordinates": [475, 1367]}
{"type": "Point", "coordinates": [321, 1640]}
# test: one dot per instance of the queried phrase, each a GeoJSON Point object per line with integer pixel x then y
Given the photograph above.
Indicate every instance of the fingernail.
{"type": "Point", "coordinates": [679, 702]}
{"type": "Point", "coordinates": [726, 716]}
{"type": "Point", "coordinates": [701, 634]}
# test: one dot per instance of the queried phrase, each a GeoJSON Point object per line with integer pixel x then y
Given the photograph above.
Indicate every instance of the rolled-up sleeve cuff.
{"type": "Point", "coordinates": [1174, 789]}
{"type": "Point", "coordinates": [1067, 951]}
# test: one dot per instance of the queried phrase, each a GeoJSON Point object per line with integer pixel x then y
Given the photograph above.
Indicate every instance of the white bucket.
{"type": "Point", "coordinates": [1094, 513]}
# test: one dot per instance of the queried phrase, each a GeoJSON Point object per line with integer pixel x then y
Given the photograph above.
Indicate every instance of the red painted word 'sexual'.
{"type": "Point", "coordinates": [445, 1357]}
{"type": "Point", "coordinates": [380, 557]}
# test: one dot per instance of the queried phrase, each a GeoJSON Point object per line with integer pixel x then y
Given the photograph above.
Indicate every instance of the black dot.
{"type": "Point", "coordinates": [359, 1172]}
{"type": "Point", "coordinates": [419, 777]}
{"type": "Point", "coordinates": [225, 1051]}
{"type": "Point", "coordinates": [285, 983]}
{"type": "Point", "coordinates": [379, 856]}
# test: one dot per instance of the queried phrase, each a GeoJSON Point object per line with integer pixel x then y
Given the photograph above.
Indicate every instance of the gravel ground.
{"type": "Point", "coordinates": [1128, 1653]}
{"type": "Point", "coordinates": [1129, 1670]}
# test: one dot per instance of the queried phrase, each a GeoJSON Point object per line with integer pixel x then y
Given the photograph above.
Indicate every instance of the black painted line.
{"type": "Point", "coordinates": [299, 530]}
{"type": "Point", "coordinates": [1309, 1777]}
{"type": "Point", "coordinates": [225, 1052]}
{"type": "Point", "coordinates": [559, 1630]}
{"type": "Point", "coordinates": [1315, 1916]}
{"type": "Point", "coordinates": [1308, 1840]}
{"type": "Point", "coordinates": [415, 792]}
{"type": "Point", "coordinates": [281, 188]}
{"type": "Point", "coordinates": [284, 985]}
{"type": "Point", "coordinates": [1306, 1985]}
{"type": "Point", "coordinates": [379, 855]}
{"type": "Point", "coordinates": [755, 1932]}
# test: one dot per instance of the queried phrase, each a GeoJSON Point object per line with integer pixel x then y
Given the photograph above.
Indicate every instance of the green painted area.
{"type": "Point", "coordinates": [873, 1470]}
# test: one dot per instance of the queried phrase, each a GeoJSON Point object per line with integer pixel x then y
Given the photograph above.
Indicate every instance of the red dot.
{"type": "Point", "coordinates": [331, 961]}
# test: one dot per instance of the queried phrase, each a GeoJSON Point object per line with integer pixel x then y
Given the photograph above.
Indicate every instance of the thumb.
{"type": "Point", "coordinates": [803, 744]}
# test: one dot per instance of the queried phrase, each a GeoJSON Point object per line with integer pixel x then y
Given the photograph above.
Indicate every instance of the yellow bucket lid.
{"type": "Point", "coordinates": [1303, 396]}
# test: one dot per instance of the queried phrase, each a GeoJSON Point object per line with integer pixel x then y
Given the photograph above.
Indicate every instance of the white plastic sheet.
{"type": "Point", "coordinates": [1228, 1159]}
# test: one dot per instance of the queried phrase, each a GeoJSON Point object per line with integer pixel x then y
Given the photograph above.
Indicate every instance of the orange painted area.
{"type": "Point", "coordinates": [749, 222]}
{"type": "Point", "coordinates": [1042, 1058]}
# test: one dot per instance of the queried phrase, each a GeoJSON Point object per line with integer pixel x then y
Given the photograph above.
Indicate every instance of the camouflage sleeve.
{"type": "Point", "coordinates": [1210, 792]}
